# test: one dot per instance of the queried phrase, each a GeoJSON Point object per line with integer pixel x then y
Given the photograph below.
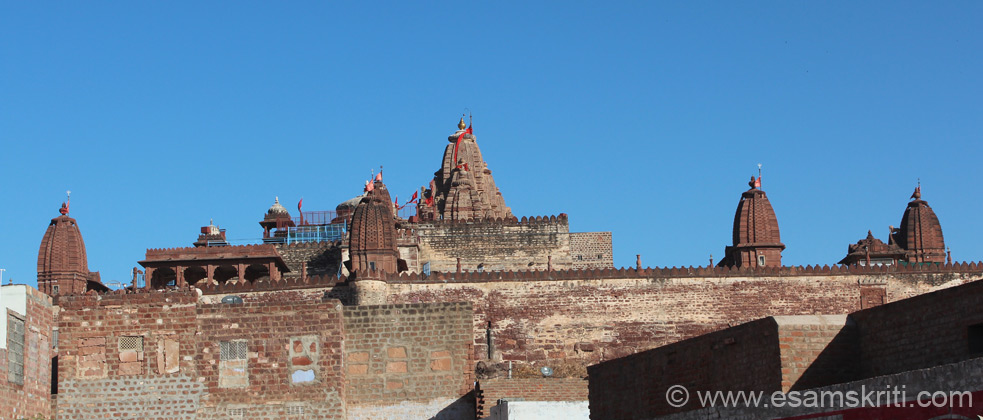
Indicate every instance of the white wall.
{"type": "Point", "coordinates": [540, 410]}
{"type": "Point", "coordinates": [13, 297]}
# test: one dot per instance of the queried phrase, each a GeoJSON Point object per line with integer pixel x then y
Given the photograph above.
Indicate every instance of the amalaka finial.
{"type": "Point", "coordinates": [460, 125]}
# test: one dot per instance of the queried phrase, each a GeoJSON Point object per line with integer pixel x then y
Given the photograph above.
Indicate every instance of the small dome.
{"type": "Point", "coordinates": [277, 210]}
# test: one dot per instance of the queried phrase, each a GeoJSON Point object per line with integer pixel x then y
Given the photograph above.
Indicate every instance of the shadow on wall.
{"type": "Point", "coordinates": [461, 409]}
{"type": "Point", "coordinates": [838, 363]}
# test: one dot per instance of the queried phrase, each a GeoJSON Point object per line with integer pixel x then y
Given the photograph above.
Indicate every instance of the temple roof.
{"type": "Point", "coordinates": [755, 223]}
{"type": "Point", "coordinates": [62, 248]}
{"type": "Point", "coordinates": [920, 232]}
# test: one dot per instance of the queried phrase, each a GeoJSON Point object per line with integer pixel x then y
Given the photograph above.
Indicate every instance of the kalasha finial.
{"type": "Point", "coordinates": [751, 182]}
{"type": "Point", "coordinates": [460, 125]}
{"type": "Point", "coordinates": [917, 195]}
{"type": "Point", "coordinates": [64, 209]}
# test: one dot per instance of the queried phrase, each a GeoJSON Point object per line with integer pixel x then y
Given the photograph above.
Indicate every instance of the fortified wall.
{"type": "Point", "coordinates": [588, 316]}
{"type": "Point", "coordinates": [182, 355]}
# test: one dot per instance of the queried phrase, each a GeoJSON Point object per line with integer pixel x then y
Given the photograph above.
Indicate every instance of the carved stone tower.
{"type": "Point", "coordinates": [920, 234]}
{"type": "Point", "coordinates": [62, 264]}
{"type": "Point", "coordinates": [757, 242]}
{"type": "Point", "coordinates": [463, 188]}
{"type": "Point", "coordinates": [373, 245]}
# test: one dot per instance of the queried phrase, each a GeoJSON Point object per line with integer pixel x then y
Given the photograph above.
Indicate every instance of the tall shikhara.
{"type": "Point", "coordinates": [757, 240]}
{"type": "Point", "coordinates": [463, 188]}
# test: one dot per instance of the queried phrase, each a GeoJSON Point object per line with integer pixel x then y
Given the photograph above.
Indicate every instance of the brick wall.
{"type": "Point", "coordinates": [33, 396]}
{"type": "Point", "coordinates": [293, 360]}
{"type": "Point", "coordinates": [596, 315]}
{"type": "Point", "coordinates": [919, 332]}
{"type": "Point", "coordinates": [499, 245]}
{"type": "Point", "coordinates": [591, 250]}
{"type": "Point", "coordinates": [745, 357]}
{"type": "Point", "coordinates": [529, 389]}
{"type": "Point", "coordinates": [96, 379]}
{"type": "Point", "coordinates": [816, 350]}
{"type": "Point", "coordinates": [290, 366]}
{"type": "Point", "coordinates": [398, 354]}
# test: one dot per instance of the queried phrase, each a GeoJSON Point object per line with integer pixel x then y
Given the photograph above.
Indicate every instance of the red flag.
{"type": "Point", "coordinates": [757, 182]}
{"type": "Point", "coordinates": [300, 203]}
{"type": "Point", "coordinates": [396, 203]}
{"type": "Point", "coordinates": [379, 177]}
{"type": "Point", "coordinates": [414, 197]}
{"type": "Point", "coordinates": [369, 186]}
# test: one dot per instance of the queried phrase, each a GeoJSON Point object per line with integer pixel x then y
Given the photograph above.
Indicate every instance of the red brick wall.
{"type": "Point", "coordinates": [182, 381]}
{"type": "Point", "coordinates": [93, 379]}
{"type": "Point", "coordinates": [816, 351]}
{"type": "Point", "coordinates": [920, 332]}
{"type": "Point", "coordinates": [745, 357]}
{"type": "Point", "coordinates": [272, 330]}
{"type": "Point", "coordinates": [34, 396]}
{"type": "Point", "coordinates": [529, 389]}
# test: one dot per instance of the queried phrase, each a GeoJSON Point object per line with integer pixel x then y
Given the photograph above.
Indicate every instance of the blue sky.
{"type": "Point", "coordinates": [641, 118]}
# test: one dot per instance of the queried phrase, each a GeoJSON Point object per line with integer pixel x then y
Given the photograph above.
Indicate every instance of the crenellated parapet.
{"type": "Point", "coordinates": [684, 272]}
{"type": "Point", "coordinates": [236, 251]}
{"type": "Point", "coordinates": [286, 284]}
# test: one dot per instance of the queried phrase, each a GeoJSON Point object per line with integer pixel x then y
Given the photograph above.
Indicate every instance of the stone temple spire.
{"type": "Point", "coordinates": [63, 267]}
{"type": "Point", "coordinates": [757, 241]}
{"type": "Point", "coordinates": [920, 234]}
{"type": "Point", "coordinates": [463, 188]}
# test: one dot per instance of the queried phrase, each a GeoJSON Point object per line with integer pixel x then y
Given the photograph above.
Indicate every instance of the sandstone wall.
{"type": "Point", "coordinates": [498, 244]}
{"type": "Point", "coordinates": [591, 250]}
{"type": "Point", "coordinates": [409, 361]}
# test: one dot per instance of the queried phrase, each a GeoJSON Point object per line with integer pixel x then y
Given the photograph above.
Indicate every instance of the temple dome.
{"type": "Point", "coordinates": [757, 240]}
{"type": "Point", "coordinates": [920, 233]}
{"type": "Point", "coordinates": [277, 210]}
{"type": "Point", "coordinates": [63, 267]}
{"type": "Point", "coordinates": [373, 233]}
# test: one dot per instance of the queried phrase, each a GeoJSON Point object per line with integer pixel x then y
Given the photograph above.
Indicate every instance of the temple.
{"type": "Point", "coordinates": [757, 241]}
{"type": "Point", "coordinates": [460, 311]}
{"type": "Point", "coordinates": [919, 239]}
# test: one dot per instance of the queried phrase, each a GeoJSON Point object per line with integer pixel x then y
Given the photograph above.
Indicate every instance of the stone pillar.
{"type": "Point", "coordinates": [209, 274]}
{"type": "Point", "coordinates": [147, 277]}
{"type": "Point", "coordinates": [274, 275]}
{"type": "Point", "coordinates": [241, 268]}
{"type": "Point", "coordinates": [179, 276]}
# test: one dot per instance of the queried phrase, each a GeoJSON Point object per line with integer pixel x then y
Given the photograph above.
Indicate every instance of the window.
{"type": "Point", "coordinates": [233, 350]}
{"type": "Point", "coordinates": [371, 265]}
{"type": "Point", "coordinates": [15, 350]}
{"type": "Point", "coordinates": [130, 355]}
{"type": "Point", "coordinates": [54, 289]}
{"type": "Point", "coordinates": [233, 364]}
{"type": "Point", "coordinates": [761, 260]}
{"type": "Point", "coordinates": [975, 335]}
{"type": "Point", "coordinates": [131, 344]}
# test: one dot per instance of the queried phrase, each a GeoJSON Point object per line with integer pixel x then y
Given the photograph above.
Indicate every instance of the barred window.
{"type": "Point", "coordinates": [15, 350]}
{"type": "Point", "coordinates": [131, 344]}
{"type": "Point", "coordinates": [295, 409]}
{"type": "Point", "coordinates": [233, 350]}
{"type": "Point", "coordinates": [236, 412]}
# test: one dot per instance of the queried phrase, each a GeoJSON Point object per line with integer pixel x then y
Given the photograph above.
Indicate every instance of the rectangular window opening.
{"type": "Point", "coordinates": [15, 350]}
{"type": "Point", "coordinates": [233, 350]}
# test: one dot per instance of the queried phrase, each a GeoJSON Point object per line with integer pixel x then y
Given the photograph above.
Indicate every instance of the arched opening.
{"type": "Point", "coordinates": [193, 275]}
{"type": "Point", "coordinates": [257, 272]}
{"type": "Point", "coordinates": [163, 277]}
{"type": "Point", "coordinates": [225, 273]}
